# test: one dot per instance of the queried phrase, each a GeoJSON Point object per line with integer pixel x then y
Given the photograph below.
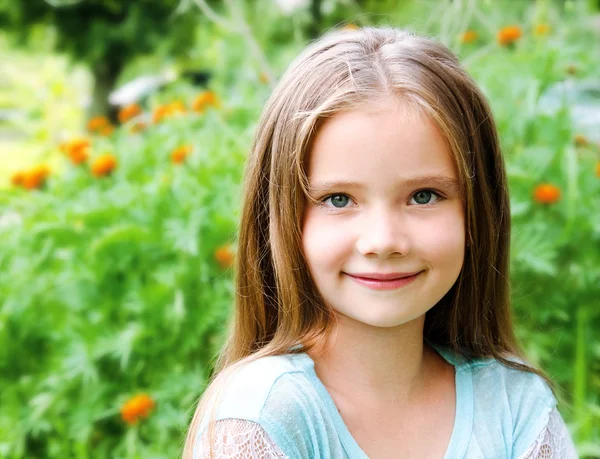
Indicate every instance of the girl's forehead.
{"type": "Point", "coordinates": [387, 132]}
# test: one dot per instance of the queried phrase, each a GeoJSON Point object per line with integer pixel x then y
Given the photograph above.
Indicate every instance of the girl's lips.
{"type": "Point", "coordinates": [378, 284]}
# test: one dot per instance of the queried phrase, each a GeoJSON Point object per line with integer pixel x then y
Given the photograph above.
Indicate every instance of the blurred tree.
{"type": "Point", "coordinates": [106, 34]}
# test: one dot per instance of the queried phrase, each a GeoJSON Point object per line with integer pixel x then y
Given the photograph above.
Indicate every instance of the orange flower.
{"type": "Point", "coordinates": [203, 100]}
{"type": "Point", "coordinates": [509, 35]}
{"type": "Point", "coordinates": [546, 193]}
{"type": "Point", "coordinates": [225, 256]}
{"type": "Point", "coordinates": [580, 140]}
{"type": "Point", "coordinates": [128, 112]}
{"type": "Point", "coordinates": [97, 123]}
{"type": "Point", "coordinates": [136, 408]}
{"type": "Point", "coordinates": [469, 36]}
{"type": "Point", "coordinates": [541, 29]}
{"type": "Point", "coordinates": [104, 165]}
{"type": "Point", "coordinates": [36, 177]}
{"type": "Point", "coordinates": [77, 150]}
{"type": "Point", "coordinates": [163, 111]}
{"type": "Point", "coordinates": [18, 178]}
{"type": "Point", "coordinates": [179, 154]}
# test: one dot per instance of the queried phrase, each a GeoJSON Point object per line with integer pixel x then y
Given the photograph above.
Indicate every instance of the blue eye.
{"type": "Point", "coordinates": [338, 200]}
{"type": "Point", "coordinates": [424, 197]}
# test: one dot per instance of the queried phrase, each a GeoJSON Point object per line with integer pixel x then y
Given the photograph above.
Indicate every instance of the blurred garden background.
{"type": "Point", "coordinates": [124, 126]}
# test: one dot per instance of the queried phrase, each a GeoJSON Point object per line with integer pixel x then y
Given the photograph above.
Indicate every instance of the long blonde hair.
{"type": "Point", "coordinates": [277, 303]}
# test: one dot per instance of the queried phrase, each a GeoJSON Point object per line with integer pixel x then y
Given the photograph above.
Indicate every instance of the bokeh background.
{"type": "Point", "coordinates": [124, 127]}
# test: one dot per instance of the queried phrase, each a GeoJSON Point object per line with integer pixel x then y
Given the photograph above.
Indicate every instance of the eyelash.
{"type": "Point", "coordinates": [439, 195]}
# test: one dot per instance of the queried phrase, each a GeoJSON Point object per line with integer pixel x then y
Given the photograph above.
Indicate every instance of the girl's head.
{"type": "Point", "coordinates": [410, 86]}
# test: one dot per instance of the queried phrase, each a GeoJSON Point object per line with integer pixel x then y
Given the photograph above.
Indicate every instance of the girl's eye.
{"type": "Point", "coordinates": [424, 197]}
{"type": "Point", "coordinates": [338, 201]}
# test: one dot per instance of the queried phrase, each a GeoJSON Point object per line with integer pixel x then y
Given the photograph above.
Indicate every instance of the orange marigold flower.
{"type": "Point", "coordinates": [225, 256]}
{"type": "Point", "coordinates": [36, 177]}
{"type": "Point", "coordinates": [138, 407]}
{"type": "Point", "coordinates": [469, 36]}
{"type": "Point", "coordinates": [128, 112]}
{"type": "Point", "coordinates": [541, 29]}
{"type": "Point", "coordinates": [18, 178]}
{"type": "Point", "coordinates": [509, 35]}
{"type": "Point", "coordinates": [203, 100]}
{"type": "Point", "coordinates": [77, 150]}
{"type": "Point", "coordinates": [546, 193]}
{"type": "Point", "coordinates": [580, 140]}
{"type": "Point", "coordinates": [179, 155]}
{"type": "Point", "coordinates": [97, 123]}
{"type": "Point", "coordinates": [104, 165]}
{"type": "Point", "coordinates": [163, 111]}
{"type": "Point", "coordinates": [78, 156]}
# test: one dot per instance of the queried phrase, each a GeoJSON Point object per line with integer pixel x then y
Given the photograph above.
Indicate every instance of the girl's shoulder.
{"type": "Point", "coordinates": [515, 405]}
{"type": "Point", "coordinates": [251, 387]}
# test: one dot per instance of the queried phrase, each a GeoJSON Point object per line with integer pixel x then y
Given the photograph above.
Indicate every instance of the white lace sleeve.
{"type": "Point", "coordinates": [238, 439]}
{"type": "Point", "coordinates": [554, 442]}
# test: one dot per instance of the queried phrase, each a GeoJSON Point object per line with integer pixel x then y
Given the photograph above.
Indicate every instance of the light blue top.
{"type": "Point", "coordinates": [500, 411]}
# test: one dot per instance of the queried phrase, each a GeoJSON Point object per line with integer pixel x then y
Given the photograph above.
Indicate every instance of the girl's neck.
{"type": "Point", "coordinates": [376, 365]}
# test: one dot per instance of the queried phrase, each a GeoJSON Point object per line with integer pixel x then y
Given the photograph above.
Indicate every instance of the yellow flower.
{"type": "Point", "coordinates": [509, 35]}
{"type": "Point", "coordinates": [136, 408]}
{"type": "Point", "coordinates": [128, 112]}
{"type": "Point", "coordinates": [470, 36]}
{"type": "Point", "coordinates": [205, 99]}
{"type": "Point", "coordinates": [104, 165]}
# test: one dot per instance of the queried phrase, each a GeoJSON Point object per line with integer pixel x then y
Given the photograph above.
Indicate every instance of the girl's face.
{"type": "Point", "coordinates": [389, 204]}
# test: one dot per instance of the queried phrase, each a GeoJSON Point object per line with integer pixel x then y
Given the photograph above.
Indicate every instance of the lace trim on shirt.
{"type": "Point", "coordinates": [554, 442]}
{"type": "Point", "coordinates": [238, 439]}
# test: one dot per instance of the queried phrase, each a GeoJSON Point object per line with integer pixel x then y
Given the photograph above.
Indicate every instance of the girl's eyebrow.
{"type": "Point", "coordinates": [413, 182]}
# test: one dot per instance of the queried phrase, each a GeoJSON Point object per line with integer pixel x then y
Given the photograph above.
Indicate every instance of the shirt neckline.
{"type": "Point", "coordinates": [463, 418]}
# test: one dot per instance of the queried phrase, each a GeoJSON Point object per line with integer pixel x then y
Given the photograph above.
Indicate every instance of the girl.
{"type": "Point", "coordinates": [372, 313]}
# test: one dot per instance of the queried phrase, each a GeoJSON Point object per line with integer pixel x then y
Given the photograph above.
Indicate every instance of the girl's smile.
{"type": "Point", "coordinates": [384, 234]}
{"type": "Point", "coordinates": [384, 282]}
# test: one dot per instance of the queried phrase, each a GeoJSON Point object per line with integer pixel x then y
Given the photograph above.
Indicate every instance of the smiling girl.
{"type": "Point", "coordinates": [372, 314]}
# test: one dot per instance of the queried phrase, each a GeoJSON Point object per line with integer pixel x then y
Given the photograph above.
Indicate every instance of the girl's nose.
{"type": "Point", "coordinates": [383, 233]}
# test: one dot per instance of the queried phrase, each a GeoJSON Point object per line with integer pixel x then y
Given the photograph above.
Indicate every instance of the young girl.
{"type": "Point", "coordinates": [372, 313]}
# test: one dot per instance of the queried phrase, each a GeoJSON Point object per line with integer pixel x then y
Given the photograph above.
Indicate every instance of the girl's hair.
{"type": "Point", "coordinates": [277, 304]}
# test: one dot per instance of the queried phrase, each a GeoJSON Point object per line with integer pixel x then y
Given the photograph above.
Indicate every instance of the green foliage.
{"type": "Point", "coordinates": [94, 30]}
{"type": "Point", "coordinates": [110, 285]}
